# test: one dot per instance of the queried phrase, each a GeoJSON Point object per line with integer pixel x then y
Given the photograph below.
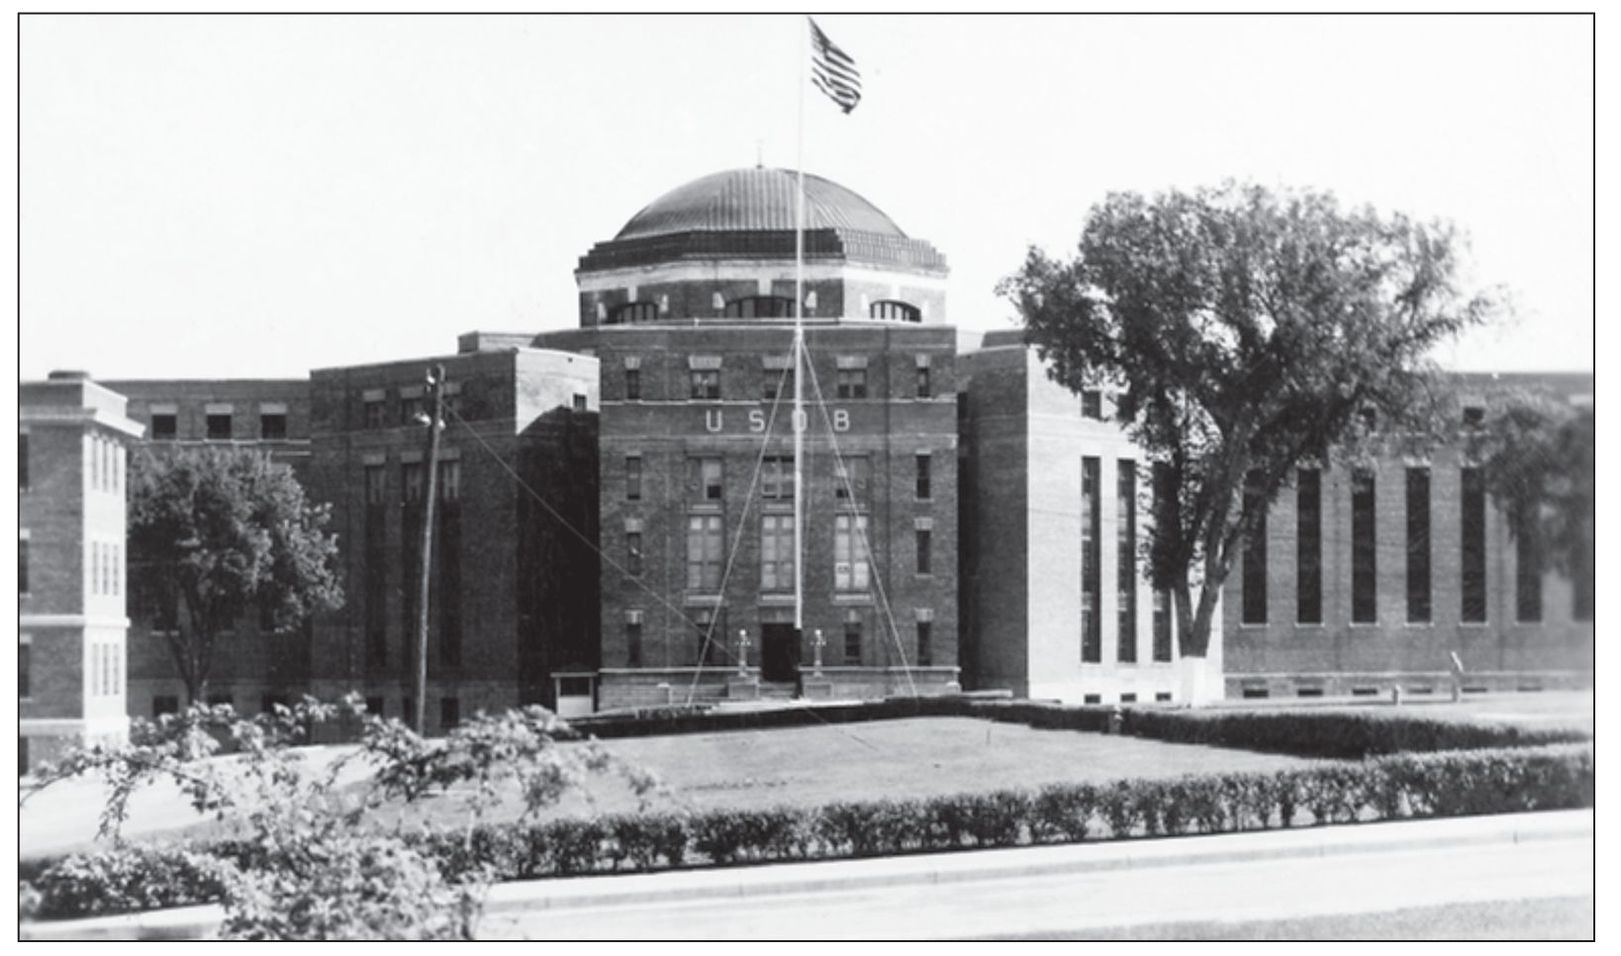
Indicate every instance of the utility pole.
{"type": "Point", "coordinates": [435, 420]}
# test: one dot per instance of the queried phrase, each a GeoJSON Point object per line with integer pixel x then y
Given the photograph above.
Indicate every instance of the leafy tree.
{"type": "Point", "coordinates": [1249, 332]}
{"type": "Point", "coordinates": [1539, 459]}
{"type": "Point", "coordinates": [215, 534]}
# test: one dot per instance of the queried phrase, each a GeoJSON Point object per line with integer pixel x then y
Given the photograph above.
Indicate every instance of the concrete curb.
{"type": "Point", "coordinates": [830, 875]}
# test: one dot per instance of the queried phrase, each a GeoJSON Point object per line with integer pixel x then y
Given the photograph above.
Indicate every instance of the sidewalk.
{"type": "Point", "coordinates": [924, 869]}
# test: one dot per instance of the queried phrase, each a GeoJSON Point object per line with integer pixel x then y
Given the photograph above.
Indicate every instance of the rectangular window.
{"type": "Point", "coordinates": [115, 570]}
{"type": "Point", "coordinates": [374, 484]}
{"type": "Point", "coordinates": [852, 383]}
{"type": "Point", "coordinates": [22, 565]}
{"type": "Point", "coordinates": [633, 478]}
{"type": "Point", "coordinates": [1474, 416]}
{"type": "Point", "coordinates": [705, 479]}
{"type": "Point", "coordinates": [374, 414]}
{"type": "Point", "coordinates": [411, 482]}
{"type": "Point", "coordinates": [1254, 551]}
{"type": "Point", "coordinates": [22, 461]}
{"type": "Point", "coordinates": [633, 384]}
{"type": "Point", "coordinates": [1364, 587]}
{"type": "Point", "coordinates": [777, 553]}
{"type": "Point", "coordinates": [25, 669]}
{"type": "Point", "coordinates": [925, 388]}
{"type": "Point", "coordinates": [1091, 559]}
{"type": "Point", "coordinates": [1418, 545]}
{"type": "Point", "coordinates": [1126, 559]}
{"type": "Point", "coordinates": [450, 480]}
{"type": "Point", "coordinates": [924, 651]}
{"type": "Point", "coordinates": [633, 553]}
{"type": "Point", "coordinates": [1308, 546]}
{"type": "Point", "coordinates": [852, 636]}
{"type": "Point", "coordinates": [925, 540]}
{"type": "Point", "coordinates": [450, 712]}
{"type": "Point", "coordinates": [633, 638]}
{"type": "Point", "coordinates": [579, 402]}
{"type": "Point", "coordinates": [219, 426]}
{"type": "Point", "coordinates": [1473, 551]}
{"type": "Point", "coordinates": [1527, 571]}
{"type": "Point", "coordinates": [273, 426]}
{"type": "Point", "coordinates": [710, 625]}
{"type": "Point", "coordinates": [165, 426]}
{"type": "Point", "coordinates": [706, 384]}
{"type": "Point", "coordinates": [850, 560]}
{"type": "Point", "coordinates": [1162, 625]}
{"type": "Point", "coordinates": [410, 408]}
{"type": "Point", "coordinates": [777, 478]}
{"type": "Point", "coordinates": [1092, 404]}
{"type": "Point", "coordinates": [374, 576]}
{"type": "Point", "coordinates": [165, 704]}
{"type": "Point", "coordinates": [448, 567]}
{"type": "Point", "coordinates": [704, 552]}
{"type": "Point", "coordinates": [852, 478]}
{"type": "Point", "coordinates": [924, 474]}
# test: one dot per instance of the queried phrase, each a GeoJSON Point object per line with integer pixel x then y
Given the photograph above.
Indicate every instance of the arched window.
{"type": "Point", "coordinates": [761, 307]}
{"type": "Point", "coordinates": [894, 310]}
{"type": "Point", "coordinates": [633, 312]}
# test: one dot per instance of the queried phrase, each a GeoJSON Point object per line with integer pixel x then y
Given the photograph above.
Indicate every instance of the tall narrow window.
{"type": "Point", "coordinates": [852, 476]}
{"type": "Point", "coordinates": [1418, 545]}
{"type": "Point", "coordinates": [1162, 625]}
{"type": "Point", "coordinates": [410, 408]}
{"type": "Point", "coordinates": [22, 461]}
{"type": "Point", "coordinates": [448, 544]}
{"type": "Point", "coordinates": [22, 565]}
{"type": "Point", "coordinates": [633, 638]}
{"type": "Point", "coordinates": [925, 650]}
{"type": "Point", "coordinates": [925, 388]}
{"type": "Point", "coordinates": [1527, 570]}
{"type": "Point", "coordinates": [1364, 587]}
{"type": "Point", "coordinates": [1091, 558]}
{"type": "Point", "coordinates": [633, 478]}
{"type": "Point", "coordinates": [1308, 546]}
{"type": "Point", "coordinates": [633, 553]}
{"type": "Point", "coordinates": [777, 552]}
{"type": "Point", "coordinates": [411, 482]}
{"type": "Point", "coordinates": [852, 636]}
{"type": "Point", "coordinates": [710, 627]}
{"type": "Point", "coordinates": [25, 669]}
{"type": "Point", "coordinates": [633, 384]}
{"type": "Point", "coordinates": [1254, 551]}
{"type": "Point", "coordinates": [851, 568]}
{"type": "Point", "coordinates": [704, 551]}
{"type": "Point", "coordinates": [777, 478]}
{"type": "Point", "coordinates": [705, 479]}
{"type": "Point", "coordinates": [374, 413]}
{"type": "Point", "coordinates": [925, 489]}
{"type": "Point", "coordinates": [925, 542]}
{"type": "Point", "coordinates": [1092, 404]}
{"type": "Point", "coordinates": [1126, 559]}
{"type": "Point", "coordinates": [374, 582]}
{"type": "Point", "coordinates": [1473, 551]}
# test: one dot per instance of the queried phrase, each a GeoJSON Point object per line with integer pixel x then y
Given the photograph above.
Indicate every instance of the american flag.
{"type": "Point", "coordinates": [833, 71]}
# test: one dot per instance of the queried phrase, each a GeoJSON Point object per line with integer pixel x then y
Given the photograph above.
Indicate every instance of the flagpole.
{"type": "Point", "coordinates": [799, 345]}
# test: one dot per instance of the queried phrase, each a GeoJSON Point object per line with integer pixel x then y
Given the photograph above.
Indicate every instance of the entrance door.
{"type": "Point", "coordinates": [779, 652]}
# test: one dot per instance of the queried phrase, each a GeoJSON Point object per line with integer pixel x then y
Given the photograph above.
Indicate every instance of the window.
{"type": "Point", "coordinates": [273, 425]}
{"type": "Point", "coordinates": [165, 704]}
{"type": "Point", "coordinates": [705, 479]}
{"type": "Point", "coordinates": [706, 384]}
{"type": "Point", "coordinates": [760, 307]}
{"type": "Point", "coordinates": [852, 636]}
{"type": "Point", "coordinates": [115, 569]}
{"type": "Point", "coordinates": [448, 566]}
{"type": "Point", "coordinates": [851, 570]}
{"type": "Point", "coordinates": [374, 706]}
{"type": "Point", "coordinates": [633, 553]}
{"type": "Point", "coordinates": [450, 480]}
{"type": "Point", "coordinates": [1162, 625]}
{"type": "Point", "coordinates": [1474, 416]}
{"type": "Point", "coordinates": [895, 311]}
{"type": "Point", "coordinates": [374, 484]}
{"type": "Point", "coordinates": [633, 638]}
{"type": "Point", "coordinates": [1364, 583]}
{"type": "Point", "coordinates": [450, 712]}
{"type": "Point", "coordinates": [710, 625]}
{"type": "Point", "coordinates": [374, 413]}
{"type": "Point", "coordinates": [165, 426]}
{"type": "Point", "coordinates": [925, 541]}
{"type": "Point", "coordinates": [1254, 552]}
{"type": "Point", "coordinates": [1418, 545]}
{"type": "Point", "coordinates": [633, 312]}
{"type": "Point", "coordinates": [1126, 559]}
{"type": "Point", "coordinates": [411, 482]}
{"type": "Point", "coordinates": [853, 475]}
{"type": "Point", "coordinates": [410, 408]}
{"type": "Point", "coordinates": [22, 565]}
{"type": "Point", "coordinates": [1091, 558]}
{"type": "Point", "coordinates": [1473, 552]}
{"type": "Point", "coordinates": [25, 661]}
{"type": "Point", "coordinates": [924, 489]}
{"type": "Point", "coordinates": [924, 651]}
{"type": "Point", "coordinates": [22, 461]}
{"type": "Point", "coordinates": [1092, 404]}
{"type": "Point", "coordinates": [777, 478]}
{"type": "Point", "coordinates": [852, 383]}
{"type": "Point", "coordinates": [776, 552]}
{"type": "Point", "coordinates": [633, 478]}
{"type": "Point", "coordinates": [579, 402]}
{"type": "Point", "coordinates": [1308, 546]}
{"type": "Point", "coordinates": [1527, 570]}
{"type": "Point", "coordinates": [924, 388]}
{"type": "Point", "coordinates": [633, 384]}
{"type": "Point", "coordinates": [704, 552]}
{"type": "Point", "coordinates": [219, 426]}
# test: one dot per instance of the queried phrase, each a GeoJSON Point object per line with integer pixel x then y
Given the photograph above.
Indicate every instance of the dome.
{"type": "Point", "coordinates": [757, 199]}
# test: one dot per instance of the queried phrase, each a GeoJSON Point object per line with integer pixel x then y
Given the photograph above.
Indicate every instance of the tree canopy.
{"type": "Point", "coordinates": [215, 534]}
{"type": "Point", "coordinates": [1540, 458]}
{"type": "Point", "coordinates": [1247, 332]}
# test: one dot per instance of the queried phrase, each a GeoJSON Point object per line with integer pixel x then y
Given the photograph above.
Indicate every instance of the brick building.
{"type": "Point", "coordinates": [71, 627]}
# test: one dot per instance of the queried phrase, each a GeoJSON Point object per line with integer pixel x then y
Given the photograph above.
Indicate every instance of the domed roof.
{"type": "Point", "coordinates": [758, 199]}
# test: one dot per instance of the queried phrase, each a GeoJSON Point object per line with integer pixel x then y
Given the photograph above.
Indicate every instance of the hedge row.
{"type": "Point", "coordinates": [1337, 735]}
{"type": "Point", "coordinates": [1401, 786]}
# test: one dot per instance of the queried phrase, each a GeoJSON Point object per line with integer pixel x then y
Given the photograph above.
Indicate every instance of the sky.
{"type": "Point", "coordinates": [241, 196]}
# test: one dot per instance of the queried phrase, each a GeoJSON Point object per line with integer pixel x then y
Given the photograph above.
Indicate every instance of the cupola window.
{"type": "Point", "coordinates": [894, 311]}
{"type": "Point", "coordinates": [632, 313]}
{"type": "Point", "coordinates": [761, 307]}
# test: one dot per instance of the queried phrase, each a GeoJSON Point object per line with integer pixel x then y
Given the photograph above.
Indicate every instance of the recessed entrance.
{"type": "Point", "coordinates": [779, 652]}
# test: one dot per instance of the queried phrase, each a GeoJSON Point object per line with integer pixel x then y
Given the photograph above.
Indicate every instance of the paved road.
{"type": "Point", "coordinates": [1073, 903]}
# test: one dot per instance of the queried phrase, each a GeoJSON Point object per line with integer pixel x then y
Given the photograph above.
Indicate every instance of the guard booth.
{"type": "Point", "coordinates": [576, 693]}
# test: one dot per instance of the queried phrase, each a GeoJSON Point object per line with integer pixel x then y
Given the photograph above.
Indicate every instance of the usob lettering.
{"type": "Point", "coordinates": [715, 420]}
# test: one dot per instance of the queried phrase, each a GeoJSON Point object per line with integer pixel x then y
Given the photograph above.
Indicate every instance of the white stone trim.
{"type": "Point", "coordinates": [272, 408]}
{"type": "Point", "coordinates": [70, 620]}
{"type": "Point", "coordinates": [852, 361]}
{"type": "Point", "coordinates": [219, 408]}
{"type": "Point", "coordinates": [373, 395]}
{"type": "Point", "coordinates": [612, 280]}
{"type": "Point", "coordinates": [704, 363]}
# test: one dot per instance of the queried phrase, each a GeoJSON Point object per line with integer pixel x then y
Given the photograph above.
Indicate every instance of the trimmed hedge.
{"type": "Point", "coordinates": [1400, 786]}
